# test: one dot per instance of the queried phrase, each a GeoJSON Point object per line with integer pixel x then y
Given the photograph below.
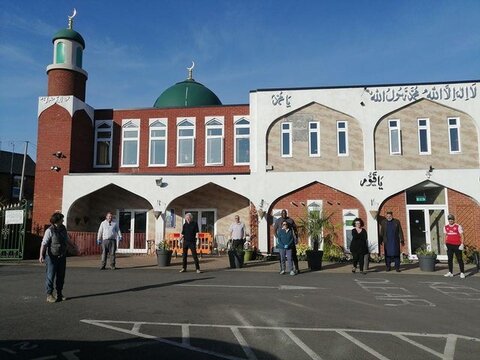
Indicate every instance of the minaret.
{"type": "Point", "coordinates": [65, 75]}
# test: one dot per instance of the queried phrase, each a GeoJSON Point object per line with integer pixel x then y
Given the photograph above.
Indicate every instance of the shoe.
{"type": "Point", "coordinates": [462, 276]}
{"type": "Point", "coordinates": [51, 298]}
{"type": "Point", "coordinates": [398, 270]}
{"type": "Point", "coordinates": [449, 274]}
{"type": "Point", "coordinates": [364, 272]}
{"type": "Point", "coordinates": [292, 273]}
{"type": "Point", "coordinates": [297, 271]}
{"type": "Point", "coordinates": [183, 270]}
{"type": "Point", "coordinates": [199, 271]}
{"type": "Point", "coordinates": [282, 272]}
{"type": "Point", "coordinates": [354, 269]}
{"type": "Point", "coordinates": [60, 297]}
{"type": "Point", "coordinates": [102, 268]}
{"type": "Point", "coordinates": [387, 269]}
{"type": "Point", "coordinates": [112, 267]}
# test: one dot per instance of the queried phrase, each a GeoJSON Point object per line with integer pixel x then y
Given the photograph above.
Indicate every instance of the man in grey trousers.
{"type": "Point", "coordinates": [108, 234]}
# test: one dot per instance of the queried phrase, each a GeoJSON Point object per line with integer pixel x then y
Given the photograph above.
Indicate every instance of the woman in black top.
{"type": "Point", "coordinates": [359, 244]}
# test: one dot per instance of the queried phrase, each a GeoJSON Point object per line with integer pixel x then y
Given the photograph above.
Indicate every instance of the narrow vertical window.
{"type": "Point", "coordinates": [214, 141]}
{"type": "Point", "coordinates": [103, 144]}
{"type": "Point", "coordinates": [130, 142]}
{"type": "Point", "coordinates": [79, 57]}
{"type": "Point", "coordinates": [424, 136]}
{"type": "Point", "coordinates": [286, 139]}
{"type": "Point", "coordinates": [185, 142]}
{"type": "Point", "coordinates": [342, 138]}
{"type": "Point", "coordinates": [60, 53]}
{"type": "Point", "coordinates": [158, 142]}
{"type": "Point", "coordinates": [242, 141]}
{"type": "Point", "coordinates": [454, 135]}
{"type": "Point", "coordinates": [394, 137]}
{"type": "Point", "coordinates": [314, 138]}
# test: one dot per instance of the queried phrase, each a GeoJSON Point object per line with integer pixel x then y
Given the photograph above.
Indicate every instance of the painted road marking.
{"type": "Point", "coordinates": [459, 292]}
{"type": "Point", "coordinates": [280, 287]}
{"type": "Point", "coordinates": [386, 291]}
{"type": "Point", "coordinates": [236, 330]}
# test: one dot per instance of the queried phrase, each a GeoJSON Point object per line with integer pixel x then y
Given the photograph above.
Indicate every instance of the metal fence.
{"type": "Point", "coordinates": [13, 222]}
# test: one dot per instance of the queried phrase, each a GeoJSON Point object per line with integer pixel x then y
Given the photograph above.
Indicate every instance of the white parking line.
{"type": "Point", "coordinates": [362, 345]}
{"type": "Point", "coordinates": [302, 345]}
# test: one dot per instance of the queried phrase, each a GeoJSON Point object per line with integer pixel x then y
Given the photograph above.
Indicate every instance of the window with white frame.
{"type": "Point", "coordinates": [185, 141]}
{"type": "Point", "coordinates": [314, 138]}
{"type": "Point", "coordinates": [394, 137]}
{"type": "Point", "coordinates": [103, 144]}
{"type": "Point", "coordinates": [214, 141]}
{"type": "Point", "coordinates": [286, 139]}
{"type": "Point", "coordinates": [242, 141]}
{"type": "Point", "coordinates": [424, 136]}
{"type": "Point", "coordinates": [158, 142]}
{"type": "Point", "coordinates": [130, 142]}
{"type": "Point", "coordinates": [454, 135]}
{"type": "Point", "coordinates": [342, 138]}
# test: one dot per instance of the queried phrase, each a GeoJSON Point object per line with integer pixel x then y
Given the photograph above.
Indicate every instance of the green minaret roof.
{"type": "Point", "coordinates": [70, 35]}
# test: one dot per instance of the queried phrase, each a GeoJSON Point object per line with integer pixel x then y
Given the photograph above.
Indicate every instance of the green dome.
{"type": "Point", "coordinates": [70, 35]}
{"type": "Point", "coordinates": [188, 93]}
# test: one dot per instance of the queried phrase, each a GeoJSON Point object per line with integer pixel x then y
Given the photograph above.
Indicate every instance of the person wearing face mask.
{"type": "Point", "coordinates": [454, 245]}
{"type": "Point", "coordinates": [108, 234]}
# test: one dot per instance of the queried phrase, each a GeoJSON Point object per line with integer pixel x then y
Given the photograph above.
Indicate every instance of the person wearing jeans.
{"type": "Point", "coordinates": [454, 243]}
{"type": "Point", "coordinates": [189, 239]}
{"type": "Point", "coordinates": [53, 252]}
{"type": "Point", "coordinates": [285, 242]}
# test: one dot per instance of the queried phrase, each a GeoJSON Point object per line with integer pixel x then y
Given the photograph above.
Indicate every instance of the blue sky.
{"type": "Point", "coordinates": [135, 50]}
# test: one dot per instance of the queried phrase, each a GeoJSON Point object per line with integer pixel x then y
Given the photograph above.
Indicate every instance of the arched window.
{"type": "Point", "coordinates": [60, 53]}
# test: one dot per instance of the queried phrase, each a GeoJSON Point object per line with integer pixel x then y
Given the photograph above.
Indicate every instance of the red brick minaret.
{"type": "Point", "coordinates": [65, 132]}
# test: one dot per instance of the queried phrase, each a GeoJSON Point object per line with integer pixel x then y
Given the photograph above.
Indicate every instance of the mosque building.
{"type": "Point", "coordinates": [353, 151]}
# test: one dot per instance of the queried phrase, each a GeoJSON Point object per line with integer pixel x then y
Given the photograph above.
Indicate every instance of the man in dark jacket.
{"type": "Point", "coordinates": [189, 238]}
{"type": "Point", "coordinates": [391, 235]}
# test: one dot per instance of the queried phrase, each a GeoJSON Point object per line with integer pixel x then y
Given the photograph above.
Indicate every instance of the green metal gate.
{"type": "Point", "coordinates": [13, 221]}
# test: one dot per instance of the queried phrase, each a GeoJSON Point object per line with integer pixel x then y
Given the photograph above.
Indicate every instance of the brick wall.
{"type": "Point", "coordinates": [66, 82]}
{"type": "Point", "coordinates": [467, 214]}
{"type": "Point", "coordinates": [334, 202]}
{"type": "Point", "coordinates": [396, 204]}
{"type": "Point", "coordinates": [228, 112]}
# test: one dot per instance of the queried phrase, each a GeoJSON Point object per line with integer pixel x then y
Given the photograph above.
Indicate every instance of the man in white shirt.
{"type": "Point", "coordinates": [237, 233]}
{"type": "Point", "coordinates": [108, 234]}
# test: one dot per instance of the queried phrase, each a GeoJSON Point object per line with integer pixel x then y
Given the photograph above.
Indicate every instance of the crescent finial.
{"type": "Point", "coordinates": [70, 18]}
{"type": "Point", "coordinates": [190, 71]}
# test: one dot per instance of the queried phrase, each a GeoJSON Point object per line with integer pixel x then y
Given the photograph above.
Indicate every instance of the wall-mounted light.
{"type": "Point", "coordinates": [59, 155]}
{"type": "Point", "coordinates": [159, 181]}
{"type": "Point", "coordinates": [362, 103]}
{"type": "Point", "coordinates": [157, 214]}
{"type": "Point", "coordinates": [293, 203]}
{"type": "Point", "coordinates": [269, 168]}
{"type": "Point", "coordinates": [55, 168]}
{"type": "Point", "coordinates": [429, 172]}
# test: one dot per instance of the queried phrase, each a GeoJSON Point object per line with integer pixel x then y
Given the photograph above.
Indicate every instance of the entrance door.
{"type": "Point", "coordinates": [205, 219]}
{"type": "Point", "coordinates": [426, 230]}
{"type": "Point", "coordinates": [133, 225]}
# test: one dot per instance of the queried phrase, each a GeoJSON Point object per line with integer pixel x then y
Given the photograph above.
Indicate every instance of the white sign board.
{"type": "Point", "coordinates": [13, 217]}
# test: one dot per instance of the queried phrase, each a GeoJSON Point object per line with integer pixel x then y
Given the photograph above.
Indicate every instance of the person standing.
{"type": "Point", "coordinates": [53, 252]}
{"type": "Point", "coordinates": [359, 244]}
{"type": "Point", "coordinates": [285, 242]}
{"type": "Point", "coordinates": [189, 240]}
{"type": "Point", "coordinates": [291, 224]}
{"type": "Point", "coordinates": [454, 244]}
{"type": "Point", "coordinates": [391, 235]}
{"type": "Point", "coordinates": [237, 233]}
{"type": "Point", "coordinates": [108, 234]}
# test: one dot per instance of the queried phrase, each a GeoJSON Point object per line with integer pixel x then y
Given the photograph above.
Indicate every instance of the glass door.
{"type": "Point", "coordinates": [133, 225]}
{"type": "Point", "coordinates": [205, 219]}
{"type": "Point", "coordinates": [426, 230]}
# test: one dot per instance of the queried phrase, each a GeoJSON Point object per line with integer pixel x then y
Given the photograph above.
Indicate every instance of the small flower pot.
{"type": "Point", "coordinates": [248, 255]}
{"type": "Point", "coordinates": [427, 262]}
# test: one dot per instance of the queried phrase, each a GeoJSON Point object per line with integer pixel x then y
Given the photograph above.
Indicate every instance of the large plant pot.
{"type": "Point", "coordinates": [248, 255]}
{"type": "Point", "coordinates": [314, 259]}
{"type": "Point", "coordinates": [236, 259]}
{"type": "Point", "coordinates": [164, 257]}
{"type": "Point", "coordinates": [427, 262]}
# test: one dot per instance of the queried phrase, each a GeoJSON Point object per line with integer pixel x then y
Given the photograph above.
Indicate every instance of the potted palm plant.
{"type": "Point", "coordinates": [426, 258]}
{"type": "Point", "coordinates": [164, 253]}
{"type": "Point", "coordinates": [313, 225]}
